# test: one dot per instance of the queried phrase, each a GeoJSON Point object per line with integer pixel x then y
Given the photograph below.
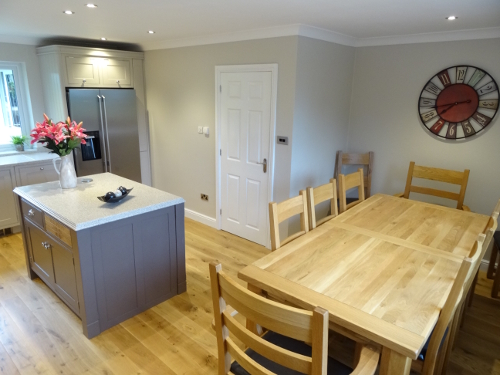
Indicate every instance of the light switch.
{"type": "Point", "coordinates": [200, 129]}
{"type": "Point", "coordinates": [206, 131]}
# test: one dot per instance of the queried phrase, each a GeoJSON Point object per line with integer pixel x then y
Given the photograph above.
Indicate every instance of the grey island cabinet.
{"type": "Point", "coordinates": [106, 261]}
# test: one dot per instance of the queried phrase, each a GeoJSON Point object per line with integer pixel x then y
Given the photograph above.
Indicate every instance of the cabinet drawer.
{"type": "Point", "coordinates": [57, 229]}
{"type": "Point", "coordinates": [32, 213]}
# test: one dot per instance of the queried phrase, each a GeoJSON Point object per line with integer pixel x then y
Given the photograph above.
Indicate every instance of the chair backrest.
{"type": "Point", "coordinates": [455, 298]}
{"type": "Point", "coordinates": [349, 182]}
{"type": "Point", "coordinates": [288, 321]}
{"type": "Point", "coordinates": [279, 212]}
{"type": "Point", "coordinates": [318, 195]}
{"type": "Point", "coordinates": [352, 158]}
{"type": "Point", "coordinates": [437, 174]}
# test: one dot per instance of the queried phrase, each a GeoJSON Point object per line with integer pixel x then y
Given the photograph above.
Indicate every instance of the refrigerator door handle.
{"type": "Point", "coordinates": [103, 135]}
{"type": "Point", "coordinates": [107, 134]}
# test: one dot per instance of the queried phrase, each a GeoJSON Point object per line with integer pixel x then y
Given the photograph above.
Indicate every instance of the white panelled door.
{"type": "Point", "coordinates": [245, 128]}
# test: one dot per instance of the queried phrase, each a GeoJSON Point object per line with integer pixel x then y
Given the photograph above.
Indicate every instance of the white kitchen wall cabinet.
{"type": "Point", "coordinates": [9, 213]}
{"type": "Point", "coordinates": [64, 67]}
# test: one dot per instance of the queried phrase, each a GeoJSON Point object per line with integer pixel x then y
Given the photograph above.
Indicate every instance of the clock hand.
{"type": "Point", "coordinates": [444, 105]}
{"type": "Point", "coordinates": [452, 105]}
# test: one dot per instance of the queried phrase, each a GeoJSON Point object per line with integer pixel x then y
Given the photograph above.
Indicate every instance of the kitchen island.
{"type": "Point", "coordinates": [106, 261]}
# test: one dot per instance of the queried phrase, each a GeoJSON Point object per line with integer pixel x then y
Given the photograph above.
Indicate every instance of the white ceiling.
{"type": "Point", "coordinates": [189, 22]}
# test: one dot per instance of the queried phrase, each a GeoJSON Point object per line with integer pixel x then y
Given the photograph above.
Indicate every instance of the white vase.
{"type": "Point", "coordinates": [66, 172]}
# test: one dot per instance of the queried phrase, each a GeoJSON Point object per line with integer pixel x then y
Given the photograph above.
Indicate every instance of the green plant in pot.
{"type": "Point", "coordinates": [18, 141]}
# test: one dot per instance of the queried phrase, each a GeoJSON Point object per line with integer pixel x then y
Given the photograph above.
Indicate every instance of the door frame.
{"type": "Point", "coordinates": [273, 68]}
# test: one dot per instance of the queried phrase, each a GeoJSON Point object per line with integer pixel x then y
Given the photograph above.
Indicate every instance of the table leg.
{"type": "Point", "coordinates": [393, 363]}
{"type": "Point", "coordinates": [251, 326]}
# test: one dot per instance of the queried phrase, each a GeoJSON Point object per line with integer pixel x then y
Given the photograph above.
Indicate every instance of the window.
{"type": "Point", "coordinates": [14, 107]}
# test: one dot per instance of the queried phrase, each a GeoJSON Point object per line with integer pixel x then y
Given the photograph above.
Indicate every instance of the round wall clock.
{"type": "Point", "coordinates": [458, 102]}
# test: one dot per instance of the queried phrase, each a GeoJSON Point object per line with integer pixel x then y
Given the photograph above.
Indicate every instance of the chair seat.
{"type": "Point", "coordinates": [334, 367]}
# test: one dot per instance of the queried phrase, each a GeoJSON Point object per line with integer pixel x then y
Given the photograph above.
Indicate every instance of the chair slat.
{"type": "Point", "coordinates": [348, 182]}
{"type": "Point", "coordinates": [286, 320]}
{"type": "Point", "coordinates": [318, 195]}
{"type": "Point", "coordinates": [279, 355]}
{"type": "Point", "coordinates": [434, 192]}
{"type": "Point", "coordinates": [245, 361]}
{"type": "Point", "coordinates": [438, 174]}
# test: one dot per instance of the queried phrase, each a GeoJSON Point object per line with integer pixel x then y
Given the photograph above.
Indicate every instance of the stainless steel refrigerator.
{"type": "Point", "coordinates": [110, 119]}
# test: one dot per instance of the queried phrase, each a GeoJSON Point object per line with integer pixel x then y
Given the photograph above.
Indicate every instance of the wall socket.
{"type": "Point", "coordinates": [204, 197]}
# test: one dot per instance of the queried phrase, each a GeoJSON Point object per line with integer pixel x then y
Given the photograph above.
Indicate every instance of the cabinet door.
{"type": "Point", "coordinates": [9, 215]}
{"type": "Point", "coordinates": [41, 253]}
{"type": "Point", "coordinates": [117, 73]}
{"type": "Point", "coordinates": [83, 71]}
{"type": "Point", "coordinates": [64, 274]}
{"type": "Point", "coordinates": [37, 174]}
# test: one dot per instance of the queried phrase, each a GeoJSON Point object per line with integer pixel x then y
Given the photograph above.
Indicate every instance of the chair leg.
{"type": "Point", "coordinates": [493, 260]}
{"type": "Point", "coordinates": [496, 285]}
{"type": "Point", "coordinates": [472, 289]}
{"type": "Point", "coordinates": [462, 315]}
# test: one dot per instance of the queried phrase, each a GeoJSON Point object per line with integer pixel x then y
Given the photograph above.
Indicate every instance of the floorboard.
{"type": "Point", "coordinates": [40, 335]}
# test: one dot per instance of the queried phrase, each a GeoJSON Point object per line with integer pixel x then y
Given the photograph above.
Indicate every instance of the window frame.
{"type": "Point", "coordinates": [23, 101]}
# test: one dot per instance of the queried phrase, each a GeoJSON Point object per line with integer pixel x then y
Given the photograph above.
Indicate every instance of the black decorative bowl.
{"type": "Point", "coordinates": [112, 198]}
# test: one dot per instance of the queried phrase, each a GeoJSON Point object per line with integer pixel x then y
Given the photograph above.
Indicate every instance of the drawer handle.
{"type": "Point", "coordinates": [31, 212]}
{"type": "Point", "coordinates": [46, 244]}
{"type": "Point", "coordinates": [41, 168]}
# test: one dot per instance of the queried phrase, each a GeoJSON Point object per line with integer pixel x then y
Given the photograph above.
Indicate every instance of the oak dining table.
{"type": "Point", "coordinates": [383, 270]}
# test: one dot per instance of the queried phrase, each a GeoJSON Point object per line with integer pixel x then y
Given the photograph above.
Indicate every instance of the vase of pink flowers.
{"type": "Point", "coordinates": [60, 138]}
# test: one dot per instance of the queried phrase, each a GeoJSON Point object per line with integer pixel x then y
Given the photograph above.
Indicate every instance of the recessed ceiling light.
{"type": "Point", "coordinates": [91, 5]}
{"type": "Point", "coordinates": [451, 18]}
{"type": "Point", "coordinates": [103, 39]}
{"type": "Point", "coordinates": [151, 32]}
{"type": "Point", "coordinates": [68, 12]}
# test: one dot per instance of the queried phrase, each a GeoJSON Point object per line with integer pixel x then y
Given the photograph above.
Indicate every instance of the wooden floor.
{"type": "Point", "coordinates": [40, 335]}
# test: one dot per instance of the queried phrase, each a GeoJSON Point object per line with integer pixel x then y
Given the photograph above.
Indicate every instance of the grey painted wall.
{"type": "Point", "coordinates": [384, 116]}
{"type": "Point", "coordinates": [27, 55]}
{"type": "Point", "coordinates": [180, 87]}
{"type": "Point", "coordinates": [321, 112]}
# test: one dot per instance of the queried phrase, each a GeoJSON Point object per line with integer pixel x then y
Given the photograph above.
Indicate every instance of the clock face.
{"type": "Point", "coordinates": [458, 102]}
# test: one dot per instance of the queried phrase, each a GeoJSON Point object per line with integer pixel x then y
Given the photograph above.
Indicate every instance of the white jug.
{"type": "Point", "coordinates": [67, 174]}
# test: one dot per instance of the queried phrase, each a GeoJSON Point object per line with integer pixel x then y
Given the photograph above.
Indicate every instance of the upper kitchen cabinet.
{"type": "Point", "coordinates": [65, 67]}
{"type": "Point", "coordinates": [83, 71]}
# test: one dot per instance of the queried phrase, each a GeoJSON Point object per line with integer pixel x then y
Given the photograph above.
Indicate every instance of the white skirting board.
{"type": "Point", "coordinates": [204, 219]}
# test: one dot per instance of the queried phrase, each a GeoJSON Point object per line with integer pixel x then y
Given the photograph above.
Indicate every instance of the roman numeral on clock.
{"type": "Point", "coordinates": [428, 115]}
{"type": "Point", "coordinates": [432, 88]}
{"type": "Point", "coordinates": [425, 102]}
{"type": "Point", "coordinates": [461, 72]}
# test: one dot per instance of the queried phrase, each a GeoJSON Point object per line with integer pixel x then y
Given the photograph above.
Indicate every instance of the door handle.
{"type": "Point", "coordinates": [264, 165]}
{"type": "Point", "coordinates": [103, 135]}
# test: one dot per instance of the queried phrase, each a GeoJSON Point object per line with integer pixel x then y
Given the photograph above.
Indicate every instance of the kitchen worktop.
{"type": "Point", "coordinates": [27, 157]}
{"type": "Point", "coordinates": [79, 208]}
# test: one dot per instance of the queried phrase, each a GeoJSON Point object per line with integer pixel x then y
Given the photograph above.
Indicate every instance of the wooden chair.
{"type": "Point", "coordinates": [318, 195]}
{"type": "Point", "coordinates": [281, 348]}
{"type": "Point", "coordinates": [476, 255]}
{"type": "Point", "coordinates": [435, 354]}
{"type": "Point", "coordinates": [437, 174]}
{"type": "Point", "coordinates": [349, 182]}
{"type": "Point", "coordinates": [490, 233]}
{"type": "Point", "coordinates": [352, 158]}
{"type": "Point", "coordinates": [494, 272]}
{"type": "Point", "coordinates": [279, 212]}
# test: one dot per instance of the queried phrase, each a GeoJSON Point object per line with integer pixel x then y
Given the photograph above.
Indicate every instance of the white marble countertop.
{"type": "Point", "coordinates": [79, 208]}
{"type": "Point", "coordinates": [27, 157]}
